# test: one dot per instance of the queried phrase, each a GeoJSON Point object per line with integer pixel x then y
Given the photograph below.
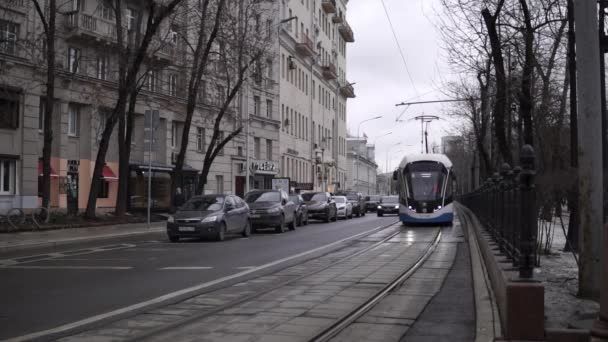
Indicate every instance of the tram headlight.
{"type": "Point", "coordinates": [438, 207]}
{"type": "Point", "coordinates": [410, 208]}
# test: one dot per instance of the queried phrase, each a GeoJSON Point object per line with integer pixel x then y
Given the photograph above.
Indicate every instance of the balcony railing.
{"type": "Point", "coordinates": [329, 71]}
{"type": "Point", "coordinates": [87, 26]}
{"type": "Point", "coordinates": [337, 19]}
{"type": "Point", "coordinates": [348, 91]}
{"type": "Point", "coordinates": [329, 6]}
{"type": "Point", "coordinates": [306, 47]}
{"type": "Point", "coordinates": [13, 4]}
{"type": "Point", "coordinates": [346, 32]}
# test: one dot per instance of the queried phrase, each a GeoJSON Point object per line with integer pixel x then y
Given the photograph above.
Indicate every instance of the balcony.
{"type": "Point", "coordinates": [84, 27]}
{"type": "Point", "coordinates": [348, 91]}
{"type": "Point", "coordinates": [306, 47]}
{"type": "Point", "coordinates": [346, 32]}
{"type": "Point", "coordinates": [164, 51]}
{"type": "Point", "coordinates": [337, 19]}
{"type": "Point", "coordinates": [15, 5]}
{"type": "Point", "coordinates": [329, 6]}
{"type": "Point", "coordinates": [329, 71]}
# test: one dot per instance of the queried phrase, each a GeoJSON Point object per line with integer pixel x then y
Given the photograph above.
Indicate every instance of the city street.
{"type": "Point", "coordinates": [44, 289]}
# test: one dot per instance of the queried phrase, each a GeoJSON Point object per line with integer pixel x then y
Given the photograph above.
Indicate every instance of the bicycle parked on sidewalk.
{"type": "Point", "coordinates": [15, 218]}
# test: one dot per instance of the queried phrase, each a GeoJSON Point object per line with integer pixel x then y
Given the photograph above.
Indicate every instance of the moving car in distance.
{"type": "Point", "coordinates": [209, 216]}
{"type": "Point", "coordinates": [301, 209]}
{"type": "Point", "coordinates": [345, 208]}
{"type": "Point", "coordinates": [271, 208]}
{"type": "Point", "coordinates": [357, 200]}
{"type": "Point", "coordinates": [320, 206]}
{"type": "Point", "coordinates": [388, 205]}
{"type": "Point", "coordinates": [426, 185]}
{"type": "Point", "coordinates": [371, 203]}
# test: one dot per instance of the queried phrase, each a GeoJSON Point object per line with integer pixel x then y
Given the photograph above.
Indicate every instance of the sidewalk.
{"type": "Point", "coordinates": [51, 238]}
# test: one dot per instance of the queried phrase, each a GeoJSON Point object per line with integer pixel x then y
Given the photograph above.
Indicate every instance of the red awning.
{"type": "Point", "coordinates": [108, 175]}
{"type": "Point", "coordinates": [40, 168]}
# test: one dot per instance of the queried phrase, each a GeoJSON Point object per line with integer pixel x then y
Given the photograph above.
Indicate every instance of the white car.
{"type": "Point", "coordinates": [345, 208]}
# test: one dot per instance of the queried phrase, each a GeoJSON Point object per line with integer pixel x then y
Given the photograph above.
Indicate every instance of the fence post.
{"type": "Point", "coordinates": [528, 212]}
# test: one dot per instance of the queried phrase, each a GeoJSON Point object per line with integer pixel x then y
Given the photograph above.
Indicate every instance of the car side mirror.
{"type": "Point", "coordinates": [284, 202]}
{"type": "Point", "coordinates": [329, 200]}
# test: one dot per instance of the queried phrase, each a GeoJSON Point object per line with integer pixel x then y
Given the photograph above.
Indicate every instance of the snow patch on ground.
{"type": "Point", "coordinates": [559, 272]}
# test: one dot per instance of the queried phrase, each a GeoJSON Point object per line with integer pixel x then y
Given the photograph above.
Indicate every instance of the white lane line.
{"type": "Point", "coordinates": [245, 267]}
{"type": "Point", "coordinates": [97, 318]}
{"type": "Point", "coordinates": [186, 268]}
{"type": "Point", "coordinates": [69, 267]}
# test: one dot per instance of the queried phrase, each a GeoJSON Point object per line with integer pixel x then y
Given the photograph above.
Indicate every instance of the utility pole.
{"type": "Point", "coordinates": [589, 150]}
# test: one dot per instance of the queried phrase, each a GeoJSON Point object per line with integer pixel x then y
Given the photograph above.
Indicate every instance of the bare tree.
{"type": "Point", "coordinates": [132, 49]}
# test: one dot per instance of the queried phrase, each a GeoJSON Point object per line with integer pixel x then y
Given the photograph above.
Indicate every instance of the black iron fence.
{"type": "Point", "coordinates": [506, 206]}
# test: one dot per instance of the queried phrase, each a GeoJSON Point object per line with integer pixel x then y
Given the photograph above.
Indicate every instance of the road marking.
{"type": "Point", "coordinates": [245, 267]}
{"type": "Point", "coordinates": [187, 268]}
{"type": "Point", "coordinates": [69, 267]}
{"type": "Point", "coordinates": [172, 295]}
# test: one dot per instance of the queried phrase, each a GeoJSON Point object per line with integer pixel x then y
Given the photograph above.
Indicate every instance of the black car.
{"type": "Point", "coordinates": [388, 205]}
{"type": "Point", "coordinates": [371, 203]}
{"type": "Point", "coordinates": [209, 216]}
{"type": "Point", "coordinates": [321, 206]}
{"type": "Point", "coordinates": [301, 209]}
{"type": "Point", "coordinates": [357, 200]}
{"type": "Point", "coordinates": [271, 208]}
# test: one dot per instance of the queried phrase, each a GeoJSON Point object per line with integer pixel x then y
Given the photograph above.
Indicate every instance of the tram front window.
{"type": "Point", "coordinates": [425, 181]}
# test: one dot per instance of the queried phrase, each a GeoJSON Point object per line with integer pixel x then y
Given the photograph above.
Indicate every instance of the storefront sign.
{"type": "Point", "coordinates": [293, 152]}
{"type": "Point", "coordinates": [265, 167]}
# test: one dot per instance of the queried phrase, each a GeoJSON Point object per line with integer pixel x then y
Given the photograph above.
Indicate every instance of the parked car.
{"type": "Point", "coordinates": [357, 200]}
{"type": "Point", "coordinates": [209, 216]}
{"type": "Point", "coordinates": [321, 206]}
{"type": "Point", "coordinates": [301, 209]}
{"type": "Point", "coordinates": [271, 208]}
{"type": "Point", "coordinates": [388, 205]}
{"type": "Point", "coordinates": [345, 208]}
{"type": "Point", "coordinates": [371, 203]}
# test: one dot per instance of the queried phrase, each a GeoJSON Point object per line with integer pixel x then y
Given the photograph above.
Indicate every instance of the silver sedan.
{"type": "Point", "coordinates": [345, 208]}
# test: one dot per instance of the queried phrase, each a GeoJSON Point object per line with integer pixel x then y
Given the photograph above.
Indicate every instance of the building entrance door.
{"type": "Point", "coordinates": [239, 186]}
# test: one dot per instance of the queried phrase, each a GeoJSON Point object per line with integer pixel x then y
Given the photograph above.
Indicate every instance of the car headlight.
{"type": "Point", "coordinates": [171, 219]}
{"type": "Point", "coordinates": [397, 206]}
{"type": "Point", "coordinates": [274, 210]}
{"type": "Point", "coordinates": [210, 219]}
{"type": "Point", "coordinates": [379, 207]}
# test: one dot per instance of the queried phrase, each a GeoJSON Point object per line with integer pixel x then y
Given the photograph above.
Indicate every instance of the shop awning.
{"type": "Point", "coordinates": [40, 168]}
{"type": "Point", "coordinates": [108, 175]}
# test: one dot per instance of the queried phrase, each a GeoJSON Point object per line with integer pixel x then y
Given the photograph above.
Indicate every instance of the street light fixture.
{"type": "Point", "coordinates": [356, 154]}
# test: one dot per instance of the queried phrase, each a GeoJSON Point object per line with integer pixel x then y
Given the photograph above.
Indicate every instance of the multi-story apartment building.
{"type": "Point", "coordinates": [314, 92]}
{"type": "Point", "coordinates": [86, 88]}
{"type": "Point", "coordinates": [362, 167]}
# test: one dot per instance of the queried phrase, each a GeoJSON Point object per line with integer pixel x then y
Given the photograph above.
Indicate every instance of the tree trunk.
{"type": "Point", "coordinates": [500, 101]}
{"type": "Point", "coordinates": [125, 129]}
{"type": "Point", "coordinates": [525, 95]}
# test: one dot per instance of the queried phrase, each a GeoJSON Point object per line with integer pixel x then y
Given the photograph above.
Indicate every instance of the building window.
{"type": "Point", "coordinates": [104, 189]}
{"type": "Point", "coordinates": [73, 120]}
{"type": "Point", "coordinates": [7, 177]}
{"type": "Point", "coordinates": [256, 105]}
{"type": "Point", "coordinates": [269, 108]}
{"type": "Point", "coordinates": [8, 37]}
{"type": "Point", "coordinates": [102, 67]}
{"type": "Point", "coordinates": [73, 60]}
{"type": "Point", "coordinates": [130, 16]}
{"type": "Point", "coordinates": [107, 12]}
{"type": "Point", "coordinates": [173, 85]}
{"type": "Point", "coordinates": [220, 140]}
{"type": "Point", "coordinates": [256, 148]}
{"type": "Point", "coordinates": [268, 149]}
{"type": "Point", "coordinates": [200, 139]}
{"type": "Point", "coordinates": [173, 134]}
{"type": "Point", "coordinates": [219, 180]}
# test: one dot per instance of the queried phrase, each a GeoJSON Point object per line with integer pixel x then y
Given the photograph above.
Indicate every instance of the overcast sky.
{"type": "Point", "coordinates": [376, 66]}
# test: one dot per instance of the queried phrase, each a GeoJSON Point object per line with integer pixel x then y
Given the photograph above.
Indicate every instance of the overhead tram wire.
{"type": "Point", "coordinates": [407, 70]}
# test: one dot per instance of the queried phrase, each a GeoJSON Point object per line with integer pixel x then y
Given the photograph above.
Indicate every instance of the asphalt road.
{"type": "Point", "coordinates": [40, 290]}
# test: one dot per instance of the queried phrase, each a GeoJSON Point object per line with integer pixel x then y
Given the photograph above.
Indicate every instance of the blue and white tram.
{"type": "Point", "coordinates": [426, 186]}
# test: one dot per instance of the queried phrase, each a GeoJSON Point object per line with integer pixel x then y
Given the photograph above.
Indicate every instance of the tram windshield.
{"type": "Point", "coordinates": [425, 180]}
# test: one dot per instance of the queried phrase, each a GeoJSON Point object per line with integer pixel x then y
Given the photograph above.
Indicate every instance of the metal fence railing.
{"type": "Point", "coordinates": [506, 206]}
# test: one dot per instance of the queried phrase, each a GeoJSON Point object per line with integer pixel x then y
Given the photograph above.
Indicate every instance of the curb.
{"type": "Point", "coordinates": [488, 326]}
{"type": "Point", "coordinates": [69, 241]}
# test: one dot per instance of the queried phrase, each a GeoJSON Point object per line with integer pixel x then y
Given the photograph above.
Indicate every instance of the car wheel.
{"type": "Point", "coordinates": [281, 227]}
{"type": "Point", "coordinates": [351, 215]}
{"type": "Point", "coordinates": [363, 213]}
{"type": "Point", "coordinates": [247, 230]}
{"type": "Point", "coordinates": [358, 214]}
{"type": "Point", "coordinates": [335, 216]}
{"type": "Point", "coordinates": [221, 234]}
{"type": "Point", "coordinates": [380, 214]}
{"type": "Point", "coordinates": [292, 225]}
{"type": "Point", "coordinates": [173, 238]}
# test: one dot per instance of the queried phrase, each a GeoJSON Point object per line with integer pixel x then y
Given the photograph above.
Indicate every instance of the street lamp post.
{"type": "Point", "coordinates": [357, 154]}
